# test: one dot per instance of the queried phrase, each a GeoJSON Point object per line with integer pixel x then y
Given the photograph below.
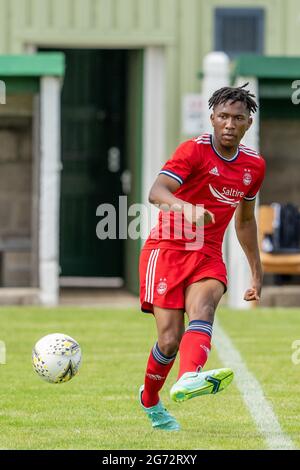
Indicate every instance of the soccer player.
{"type": "Point", "coordinates": [198, 190]}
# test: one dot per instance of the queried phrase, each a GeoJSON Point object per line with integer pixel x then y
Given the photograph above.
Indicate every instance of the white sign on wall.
{"type": "Point", "coordinates": [192, 114]}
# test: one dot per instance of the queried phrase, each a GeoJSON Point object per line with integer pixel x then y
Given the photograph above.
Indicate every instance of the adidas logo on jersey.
{"type": "Point", "coordinates": [214, 171]}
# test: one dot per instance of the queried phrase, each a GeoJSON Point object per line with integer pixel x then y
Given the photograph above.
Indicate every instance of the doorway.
{"type": "Point", "coordinates": [93, 157]}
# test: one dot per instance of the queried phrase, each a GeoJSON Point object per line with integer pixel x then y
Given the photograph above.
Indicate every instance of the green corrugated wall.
{"type": "Point", "coordinates": [183, 27]}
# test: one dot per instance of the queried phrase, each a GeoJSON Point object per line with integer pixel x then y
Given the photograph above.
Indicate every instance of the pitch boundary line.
{"type": "Point", "coordinates": [252, 393]}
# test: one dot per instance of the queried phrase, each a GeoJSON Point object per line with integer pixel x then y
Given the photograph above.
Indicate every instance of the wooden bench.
{"type": "Point", "coordinates": [272, 262]}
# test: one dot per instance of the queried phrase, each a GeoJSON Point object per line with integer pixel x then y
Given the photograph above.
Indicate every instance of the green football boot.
{"type": "Point", "coordinates": [193, 384]}
{"type": "Point", "coordinates": [159, 416]}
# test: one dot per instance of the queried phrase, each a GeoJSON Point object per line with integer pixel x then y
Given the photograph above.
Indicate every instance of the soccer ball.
{"type": "Point", "coordinates": [56, 358]}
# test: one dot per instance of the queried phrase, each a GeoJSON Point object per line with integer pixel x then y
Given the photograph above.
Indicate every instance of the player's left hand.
{"type": "Point", "coordinates": [253, 293]}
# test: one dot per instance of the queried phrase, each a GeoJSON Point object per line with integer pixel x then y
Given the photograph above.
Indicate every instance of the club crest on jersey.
{"type": "Point", "coordinates": [247, 178]}
{"type": "Point", "coordinates": [162, 286]}
{"type": "Point", "coordinates": [214, 171]}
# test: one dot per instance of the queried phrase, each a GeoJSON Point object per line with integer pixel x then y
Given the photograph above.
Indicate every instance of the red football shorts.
{"type": "Point", "coordinates": [166, 273]}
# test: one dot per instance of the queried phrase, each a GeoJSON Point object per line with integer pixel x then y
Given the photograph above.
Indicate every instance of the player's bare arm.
{"type": "Point", "coordinates": [246, 229]}
{"type": "Point", "coordinates": [161, 195]}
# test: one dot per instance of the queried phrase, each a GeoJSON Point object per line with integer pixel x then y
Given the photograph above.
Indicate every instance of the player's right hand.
{"type": "Point", "coordinates": [198, 215]}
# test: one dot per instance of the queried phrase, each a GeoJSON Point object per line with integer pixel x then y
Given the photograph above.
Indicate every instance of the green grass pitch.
{"type": "Point", "coordinates": [99, 409]}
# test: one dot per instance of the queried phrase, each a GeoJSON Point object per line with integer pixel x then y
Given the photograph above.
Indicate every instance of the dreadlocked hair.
{"type": "Point", "coordinates": [234, 94]}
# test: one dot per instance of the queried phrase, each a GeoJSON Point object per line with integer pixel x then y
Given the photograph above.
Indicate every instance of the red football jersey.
{"type": "Point", "coordinates": [209, 179]}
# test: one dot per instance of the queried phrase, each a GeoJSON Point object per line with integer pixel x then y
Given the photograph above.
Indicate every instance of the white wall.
{"type": "Point", "coordinates": [154, 126]}
{"type": "Point", "coordinates": [50, 167]}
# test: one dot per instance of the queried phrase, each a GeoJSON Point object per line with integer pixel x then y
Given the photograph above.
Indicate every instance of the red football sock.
{"type": "Point", "coordinates": [194, 349]}
{"type": "Point", "coordinates": [158, 368]}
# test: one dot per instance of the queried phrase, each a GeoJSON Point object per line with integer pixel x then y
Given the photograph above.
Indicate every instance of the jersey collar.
{"type": "Point", "coordinates": [220, 156]}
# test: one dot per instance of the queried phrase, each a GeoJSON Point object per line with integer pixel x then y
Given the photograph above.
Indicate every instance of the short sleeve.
{"type": "Point", "coordinates": [254, 188]}
{"type": "Point", "coordinates": [180, 165]}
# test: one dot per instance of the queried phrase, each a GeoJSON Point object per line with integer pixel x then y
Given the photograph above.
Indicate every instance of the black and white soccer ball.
{"type": "Point", "coordinates": [56, 358]}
